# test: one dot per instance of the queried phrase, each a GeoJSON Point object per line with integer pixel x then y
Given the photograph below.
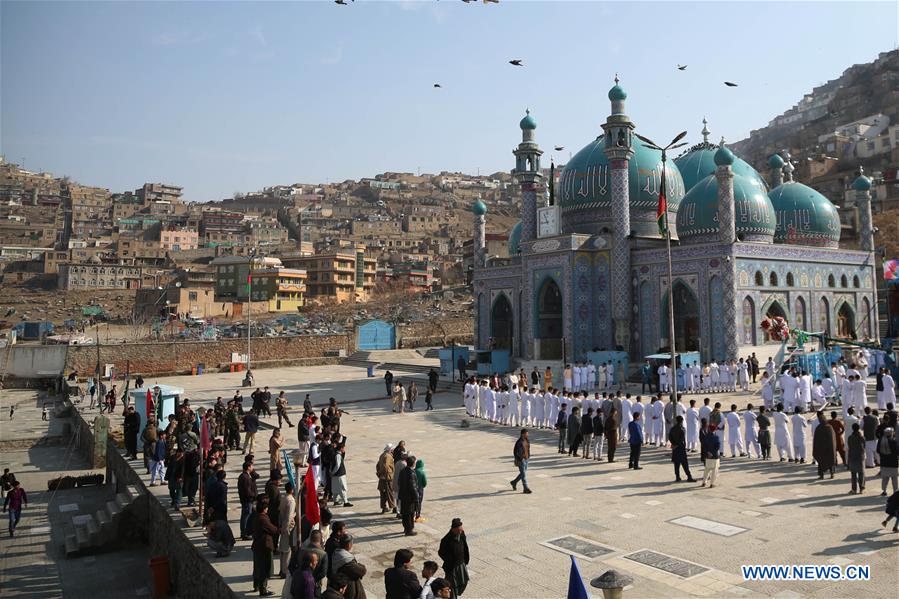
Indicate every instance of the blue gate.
{"type": "Point", "coordinates": [376, 334]}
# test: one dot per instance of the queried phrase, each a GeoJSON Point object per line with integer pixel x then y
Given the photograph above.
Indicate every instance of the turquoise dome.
{"type": "Point", "coordinates": [861, 183]}
{"type": "Point", "coordinates": [776, 161]}
{"type": "Point", "coordinates": [585, 190]}
{"type": "Point", "coordinates": [617, 93]}
{"type": "Point", "coordinates": [697, 216]}
{"type": "Point", "coordinates": [479, 208]}
{"type": "Point", "coordinates": [514, 238]}
{"type": "Point", "coordinates": [528, 122]}
{"type": "Point", "coordinates": [724, 157]}
{"type": "Point", "coordinates": [804, 216]}
{"type": "Point", "coordinates": [699, 163]}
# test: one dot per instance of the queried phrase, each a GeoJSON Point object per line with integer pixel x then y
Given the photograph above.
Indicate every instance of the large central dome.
{"type": "Point", "coordinates": [585, 190]}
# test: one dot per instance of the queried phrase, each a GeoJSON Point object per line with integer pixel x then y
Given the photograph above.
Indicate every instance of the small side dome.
{"type": "Point", "coordinates": [479, 208]}
{"type": "Point", "coordinates": [617, 93]}
{"type": "Point", "coordinates": [775, 161]}
{"type": "Point", "coordinates": [528, 123]}
{"type": "Point", "coordinates": [514, 239]}
{"type": "Point", "coordinates": [804, 216]}
{"type": "Point", "coordinates": [861, 183]}
{"type": "Point", "coordinates": [697, 215]}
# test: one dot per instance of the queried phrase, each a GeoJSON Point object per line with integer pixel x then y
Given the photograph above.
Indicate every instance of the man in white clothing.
{"type": "Point", "coordinates": [627, 414]}
{"type": "Point", "coordinates": [610, 375]}
{"type": "Point", "coordinates": [603, 373]}
{"type": "Point", "coordinates": [658, 423]}
{"type": "Point", "coordinates": [734, 438]}
{"type": "Point", "coordinates": [770, 368]}
{"type": "Point", "coordinates": [639, 408]}
{"type": "Point", "coordinates": [514, 415]}
{"type": "Point", "coordinates": [789, 387]}
{"type": "Point", "coordinates": [750, 433]}
{"type": "Point", "coordinates": [705, 411]}
{"type": "Point", "coordinates": [859, 394]}
{"type": "Point", "coordinates": [782, 434]}
{"type": "Point", "coordinates": [805, 390]}
{"type": "Point", "coordinates": [888, 393]}
{"type": "Point", "coordinates": [800, 424]}
{"type": "Point", "coordinates": [767, 390]}
{"type": "Point", "coordinates": [692, 419]}
{"type": "Point", "coordinates": [664, 383]}
{"type": "Point", "coordinates": [576, 377]}
{"type": "Point", "coordinates": [743, 374]}
{"type": "Point", "coordinates": [688, 379]}
{"type": "Point", "coordinates": [851, 419]}
{"type": "Point", "coordinates": [715, 374]}
{"type": "Point", "coordinates": [591, 376]}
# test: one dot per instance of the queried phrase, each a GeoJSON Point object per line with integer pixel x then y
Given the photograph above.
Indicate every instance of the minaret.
{"type": "Point", "coordinates": [727, 235]}
{"type": "Point", "coordinates": [705, 131]}
{"type": "Point", "coordinates": [619, 131]}
{"type": "Point", "coordinates": [776, 164]}
{"type": "Point", "coordinates": [788, 168]}
{"type": "Point", "coordinates": [862, 187]}
{"type": "Point", "coordinates": [527, 172]}
{"type": "Point", "coordinates": [724, 159]}
{"type": "Point", "coordinates": [479, 259]}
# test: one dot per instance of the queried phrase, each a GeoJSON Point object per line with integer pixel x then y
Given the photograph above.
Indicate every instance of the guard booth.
{"type": "Point", "coordinates": [492, 361]}
{"type": "Point", "coordinates": [449, 356]}
{"type": "Point", "coordinates": [375, 334]}
{"type": "Point", "coordinates": [167, 399]}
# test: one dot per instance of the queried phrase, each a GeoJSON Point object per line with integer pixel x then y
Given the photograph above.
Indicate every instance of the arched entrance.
{"type": "Point", "coordinates": [502, 323]}
{"type": "Point", "coordinates": [824, 315]}
{"type": "Point", "coordinates": [549, 321]}
{"type": "Point", "coordinates": [799, 313]}
{"type": "Point", "coordinates": [686, 319]}
{"type": "Point", "coordinates": [749, 329]}
{"type": "Point", "coordinates": [846, 321]}
{"type": "Point", "coordinates": [774, 310]}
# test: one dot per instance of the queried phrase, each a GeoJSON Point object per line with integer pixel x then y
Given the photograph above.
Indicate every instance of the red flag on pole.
{"type": "Point", "coordinates": [149, 404]}
{"type": "Point", "coordinates": [205, 441]}
{"type": "Point", "coordinates": [313, 514]}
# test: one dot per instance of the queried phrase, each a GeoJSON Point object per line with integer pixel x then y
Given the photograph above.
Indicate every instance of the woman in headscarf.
{"type": "Point", "coordinates": [889, 460]}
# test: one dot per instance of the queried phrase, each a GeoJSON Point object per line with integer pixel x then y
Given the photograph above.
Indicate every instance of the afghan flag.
{"type": "Point", "coordinates": [313, 514]}
{"type": "Point", "coordinates": [149, 405]}
{"type": "Point", "coordinates": [662, 211]}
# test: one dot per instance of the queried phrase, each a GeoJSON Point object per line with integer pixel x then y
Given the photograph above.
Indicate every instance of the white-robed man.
{"type": "Point", "coordinates": [527, 400]}
{"type": "Point", "coordinates": [743, 374]}
{"type": "Point", "coordinates": [692, 421]}
{"type": "Point", "coordinates": [770, 368]}
{"type": "Point", "coordinates": [800, 424]}
{"type": "Point", "coordinates": [734, 432]}
{"type": "Point", "coordinates": [591, 376]}
{"type": "Point", "coordinates": [859, 389]}
{"type": "Point", "coordinates": [639, 408]}
{"type": "Point", "coordinates": [539, 408]}
{"type": "Point", "coordinates": [627, 415]}
{"type": "Point", "coordinates": [789, 387]}
{"type": "Point", "coordinates": [767, 390]}
{"type": "Point", "coordinates": [658, 423]}
{"type": "Point", "coordinates": [513, 417]}
{"type": "Point", "coordinates": [705, 410]}
{"type": "Point", "coordinates": [782, 439]}
{"type": "Point", "coordinates": [664, 381]}
{"type": "Point", "coordinates": [602, 373]}
{"type": "Point", "coordinates": [805, 390]}
{"type": "Point", "coordinates": [610, 375]}
{"type": "Point", "coordinates": [818, 396]}
{"type": "Point", "coordinates": [576, 377]}
{"type": "Point", "coordinates": [750, 432]}
{"type": "Point", "coordinates": [888, 393]}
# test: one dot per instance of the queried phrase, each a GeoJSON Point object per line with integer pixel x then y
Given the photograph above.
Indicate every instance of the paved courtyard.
{"type": "Point", "coordinates": [675, 540]}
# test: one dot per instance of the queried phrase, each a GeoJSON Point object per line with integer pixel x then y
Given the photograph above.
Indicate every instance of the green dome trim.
{"type": "Point", "coordinates": [699, 162]}
{"type": "Point", "coordinates": [804, 216]}
{"type": "Point", "coordinates": [515, 239]}
{"type": "Point", "coordinates": [617, 93]}
{"type": "Point", "coordinates": [754, 216]}
{"type": "Point", "coordinates": [724, 157]}
{"type": "Point", "coordinates": [479, 208]}
{"type": "Point", "coordinates": [861, 183]}
{"type": "Point", "coordinates": [528, 122]}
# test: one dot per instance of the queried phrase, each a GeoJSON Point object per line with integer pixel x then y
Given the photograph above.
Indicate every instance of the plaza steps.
{"type": "Point", "coordinates": [101, 528]}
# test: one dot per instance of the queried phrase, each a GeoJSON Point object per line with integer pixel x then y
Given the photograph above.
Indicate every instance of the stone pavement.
{"type": "Point", "coordinates": [611, 517]}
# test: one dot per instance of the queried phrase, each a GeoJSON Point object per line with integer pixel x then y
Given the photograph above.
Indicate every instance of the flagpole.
{"type": "Point", "coordinates": [673, 373]}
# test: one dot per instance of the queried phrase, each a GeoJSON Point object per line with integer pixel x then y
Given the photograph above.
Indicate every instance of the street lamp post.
{"type": "Point", "coordinates": [663, 206]}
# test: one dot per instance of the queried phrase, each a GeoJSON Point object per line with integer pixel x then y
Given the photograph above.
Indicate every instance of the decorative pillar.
{"type": "Point", "coordinates": [724, 159]}
{"type": "Point", "coordinates": [727, 235]}
{"type": "Point", "coordinates": [479, 258]}
{"type": "Point", "coordinates": [776, 164]}
{"type": "Point", "coordinates": [527, 172]}
{"type": "Point", "coordinates": [619, 149]}
{"type": "Point", "coordinates": [862, 187]}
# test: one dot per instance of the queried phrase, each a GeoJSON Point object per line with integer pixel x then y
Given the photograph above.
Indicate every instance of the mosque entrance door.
{"type": "Point", "coordinates": [686, 319]}
{"type": "Point", "coordinates": [502, 323]}
{"type": "Point", "coordinates": [549, 322]}
{"type": "Point", "coordinates": [846, 322]}
{"type": "Point", "coordinates": [774, 310]}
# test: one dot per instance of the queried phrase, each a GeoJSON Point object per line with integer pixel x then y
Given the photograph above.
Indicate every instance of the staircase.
{"type": "Point", "coordinates": [92, 532]}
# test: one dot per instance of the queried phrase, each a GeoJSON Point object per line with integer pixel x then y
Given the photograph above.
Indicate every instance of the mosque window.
{"type": "Point", "coordinates": [831, 281]}
{"type": "Point", "coordinates": [791, 280]}
{"type": "Point", "coordinates": [844, 282]}
{"type": "Point", "coordinates": [759, 279]}
{"type": "Point", "coordinates": [773, 279]}
{"type": "Point", "coordinates": [855, 282]}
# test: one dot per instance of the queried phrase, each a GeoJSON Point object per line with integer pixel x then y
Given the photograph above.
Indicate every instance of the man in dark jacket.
{"type": "Point", "coordinates": [344, 562]}
{"type": "Point", "coordinates": [130, 428]}
{"type": "Point", "coordinates": [677, 436]}
{"type": "Point", "coordinates": [273, 492]}
{"type": "Point", "coordinates": [338, 531]}
{"type": "Point", "coordinates": [587, 432]}
{"type": "Point", "coordinates": [264, 533]}
{"type": "Point", "coordinates": [174, 476]}
{"type": "Point", "coordinates": [408, 495]}
{"type": "Point", "coordinates": [400, 581]}
{"type": "Point", "coordinates": [246, 491]}
{"type": "Point", "coordinates": [432, 380]}
{"type": "Point", "coordinates": [217, 498]}
{"type": "Point", "coordinates": [454, 553]}
{"type": "Point", "coordinates": [250, 426]}
{"type": "Point", "coordinates": [562, 427]}
{"type": "Point", "coordinates": [522, 453]}
{"type": "Point", "coordinates": [191, 475]}
{"type": "Point", "coordinates": [388, 382]}
{"type": "Point", "coordinates": [711, 450]}
{"type": "Point", "coordinates": [574, 431]}
{"type": "Point", "coordinates": [635, 438]}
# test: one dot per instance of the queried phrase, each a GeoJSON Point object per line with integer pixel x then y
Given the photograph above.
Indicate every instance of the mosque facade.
{"type": "Point", "coordinates": [588, 265]}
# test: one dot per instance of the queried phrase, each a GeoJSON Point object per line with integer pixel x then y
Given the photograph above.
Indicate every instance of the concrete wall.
{"type": "Point", "coordinates": [180, 357]}
{"type": "Point", "coordinates": [34, 361]}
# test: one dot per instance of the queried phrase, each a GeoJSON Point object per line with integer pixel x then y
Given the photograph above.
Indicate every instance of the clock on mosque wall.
{"type": "Point", "coordinates": [547, 221]}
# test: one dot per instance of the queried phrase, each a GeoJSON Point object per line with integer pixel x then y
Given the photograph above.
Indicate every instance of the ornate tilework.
{"type": "Point", "coordinates": [621, 254]}
{"type": "Point", "coordinates": [727, 225]}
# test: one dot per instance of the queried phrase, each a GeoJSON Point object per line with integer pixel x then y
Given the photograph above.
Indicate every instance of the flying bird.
{"type": "Point", "coordinates": [437, 85]}
{"type": "Point", "coordinates": [467, 1]}
{"type": "Point", "coordinates": [491, 1]}
{"type": "Point", "coordinates": [343, 2]}
{"type": "Point", "coordinates": [559, 148]}
{"type": "Point", "coordinates": [516, 62]}
{"type": "Point", "coordinates": [729, 84]}
{"type": "Point", "coordinates": [681, 67]}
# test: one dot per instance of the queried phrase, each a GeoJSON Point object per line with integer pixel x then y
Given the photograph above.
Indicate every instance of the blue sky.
{"type": "Point", "coordinates": [224, 97]}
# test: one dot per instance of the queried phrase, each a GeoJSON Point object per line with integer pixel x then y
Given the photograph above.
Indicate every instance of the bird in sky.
{"type": "Point", "coordinates": [343, 2]}
{"type": "Point", "coordinates": [729, 84]}
{"type": "Point", "coordinates": [467, 1]}
{"type": "Point", "coordinates": [437, 85]}
{"type": "Point", "coordinates": [516, 62]}
{"type": "Point", "coordinates": [559, 148]}
{"type": "Point", "coordinates": [491, 1]}
{"type": "Point", "coordinates": [681, 67]}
